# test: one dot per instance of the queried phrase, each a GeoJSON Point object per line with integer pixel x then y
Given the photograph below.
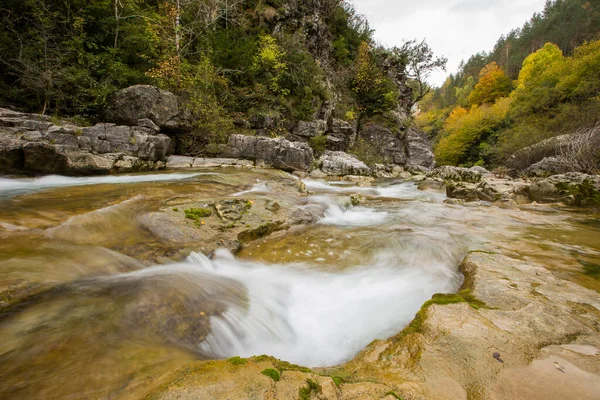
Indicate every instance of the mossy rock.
{"type": "Point", "coordinates": [195, 214]}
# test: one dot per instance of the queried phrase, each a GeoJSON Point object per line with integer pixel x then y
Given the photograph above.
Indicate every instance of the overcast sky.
{"type": "Point", "coordinates": [456, 29]}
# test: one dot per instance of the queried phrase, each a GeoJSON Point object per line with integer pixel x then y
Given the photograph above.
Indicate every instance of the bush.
{"type": "Point", "coordinates": [272, 373]}
{"type": "Point", "coordinates": [318, 144]}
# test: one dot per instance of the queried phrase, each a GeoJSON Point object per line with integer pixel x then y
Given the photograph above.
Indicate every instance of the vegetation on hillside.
{"type": "Point", "coordinates": [232, 64]}
{"type": "Point", "coordinates": [540, 81]}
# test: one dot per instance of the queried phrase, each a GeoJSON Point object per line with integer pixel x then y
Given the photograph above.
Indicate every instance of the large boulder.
{"type": "Point", "coordinates": [341, 135]}
{"type": "Point", "coordinates": [418, 148]}
{"type": "Point", "coordinates": [278, 153]}
{"type": "Point", "coordinates": [456, 174]}
{"type": "Point", "coordinates": [31, 143]}
{"type": "Point", "coordinates": [338, 163]}
{"type": "Point", "coordinates": [573, 188]}
{"type": "Point", "coordinates": [547, 167]}
{"type": "Point", "coordinates": [134, 104]}
{"type": "Point", "coordinates": [390, 146]}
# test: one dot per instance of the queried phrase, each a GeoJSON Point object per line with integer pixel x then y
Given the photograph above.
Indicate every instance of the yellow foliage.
{"type": "Point", "coordinates": [493, 84]}
{"type": "Point", "coordinates": [537, 63]}
{"type": "Point", "coordinates": [467, 128]}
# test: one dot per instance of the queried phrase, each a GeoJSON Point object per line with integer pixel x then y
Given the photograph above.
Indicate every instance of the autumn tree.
{"type": "Point", "coordinates": [493, 84]}
{"type": "Point", "coordinates": [374, 91]}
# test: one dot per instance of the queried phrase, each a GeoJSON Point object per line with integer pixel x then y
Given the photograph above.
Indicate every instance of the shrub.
{"type": "Point", "coordinates": [272, 373]}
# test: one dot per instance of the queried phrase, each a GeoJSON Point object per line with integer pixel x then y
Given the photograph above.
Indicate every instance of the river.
{"type": "Point", "coordinates": [94, 304]}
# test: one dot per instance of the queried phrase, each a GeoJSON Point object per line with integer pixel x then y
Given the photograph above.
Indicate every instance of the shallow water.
{"type": "Point", "coordinates": [93, 302]}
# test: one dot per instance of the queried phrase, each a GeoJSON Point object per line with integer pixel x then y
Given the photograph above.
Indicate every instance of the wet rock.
{"type": "Point", "coordinates": [337, 163]}
{"type": "Point", "coordinates": [574, 188]}
{"type": "Point", "coordinates": [432, 184]}
{"type": "Point", "coordinates": [455, 174]}
{"type": "Point", "coordinates": [139, 102]}
{"type": "Point", "coordinates": [277, 153]}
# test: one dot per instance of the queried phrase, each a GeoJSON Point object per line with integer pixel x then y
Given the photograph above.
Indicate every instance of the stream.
{"type": "Point", "coordinates": [104, 308]}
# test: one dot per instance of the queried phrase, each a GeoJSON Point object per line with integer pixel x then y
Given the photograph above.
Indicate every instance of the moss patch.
{"type": "Point", "coordinates": [195, 214]}
{"type": "Point", "coordinates": [272, 373]}
{"type": "Point", "coordinates": [281, 365]}
{"type": "Point", "coordinates": [306, 392]}
{"type": "Point", "coordinates": [585, 193]}
{"type": "Point", "coordinates": [237, 360]}
{"type": "Point", "coordinates": [259, 232]}
{"type": "Point", "coordinates": [591, 269]}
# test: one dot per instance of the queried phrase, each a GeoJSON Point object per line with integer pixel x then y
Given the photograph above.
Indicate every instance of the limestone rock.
{"type": "Point", "coordinates": [277, 153]}
{"type": "Point", "coordinates": [337, 163]}
{"type": "Point", "coordinates": [69, 149]}
{"type": "Point", "coordinates": [455, 174]}
{"type": "Point", "coordinates": [138, 102]}
{"type": "Point", "coordinates": [419, 149]}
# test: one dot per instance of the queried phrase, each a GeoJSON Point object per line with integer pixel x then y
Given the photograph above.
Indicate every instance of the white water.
{"type": "Point", "coordinates": [18, 186]}
{"type": "Point", "coordinates": [352, 216]}
{"type": "Point", "coordinates": [406, 190]}
{"type": "Point", "coordinates": [260, 187]}
{"type": "Point", "coordinates": [310, 316]}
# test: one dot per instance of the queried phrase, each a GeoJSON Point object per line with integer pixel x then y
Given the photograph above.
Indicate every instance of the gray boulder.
{"type": "Point", "coordinates": [418, 148]}
{"type": "Point", "coordinates": [30, 143]}
{"type": "Point", "coordinates": [455, 174]}
{"type": "Point", "coordinates": [547, 167]}
{"type": "Point", "coordinates": [277, 153]}
{"type": "Point", "coordinates": [390, 146]}
{"type": "Point", "coordinates": [338, 163]}
{"type": "Point", "coordinates": [141, 102]}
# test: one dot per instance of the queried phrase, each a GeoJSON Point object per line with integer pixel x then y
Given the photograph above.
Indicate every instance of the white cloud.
{"type": "Point", "coordinates": [455, 29]}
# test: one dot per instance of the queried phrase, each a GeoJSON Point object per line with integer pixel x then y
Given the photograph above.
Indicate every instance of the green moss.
{"type": "Point", "coordinates": [591, 269]}
{"type": "Point", "coordinates": [281, 365]}
{"type": "Point", "coordinates": [318, 143]}
{"type": "Point", "coordinates": [306, 392]}
{"type": "Point", "coordinates": [259, 232]}
{"type": "Point", "coordinates": [195, 214]}
{"type": "Point", "coordinates": [272, 373]}
{"type": "Point", "coordinates": [585, 193]}
{"type": "Point", "coordinates": [464, 296]}
{"type": "Point", "coordinates": [237, 360]}
{"type": "Point", "coordinates": [176, 209]}
{"type": "Point", "coordinates": [338, 380]}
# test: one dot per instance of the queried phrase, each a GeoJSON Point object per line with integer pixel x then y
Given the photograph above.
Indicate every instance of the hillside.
{"type": "Point", "coordinates": [242, 66]}
{"type": "Point", "coordinates": [539, 81]}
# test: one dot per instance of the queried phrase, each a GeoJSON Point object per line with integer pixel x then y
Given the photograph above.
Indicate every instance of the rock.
{"type": "Point", "coordinates": [573, 188]}
{"type": "Point", "coordinates": [389, 146]}
{"type": "Point", "coordinates": [480, 170]}
{"type": "Point", "coordinates": [139, 102]}
{"type": "Point", "coordinates": [419, 149]}
{"type": "Point", "coordinates": [547, 167]}
{"type": "Point", "coordinates": [341, 135]}
{"type": "Point", "coordinates": [310, 129]}
{"type": "Point", "coordinates": [491, 190]}
{"type": "Point", "coordinates": [69, 149]}
{"type": "Point", "coordinates": [277, 153]}
{"type": "Point", "coordinates": [455, 174]}
{"type": "Point", "coordinates": [337, 163]}
{"type": "Point", "coordinates": [179, 162]}
{"type": "Point", "coordinates": [432, 184]}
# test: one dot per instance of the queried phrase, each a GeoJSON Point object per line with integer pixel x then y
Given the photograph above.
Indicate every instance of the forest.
{"type": "Point", "coordinates": [232, 63]}
{"type": "Point", "coordinates": [540, 81]}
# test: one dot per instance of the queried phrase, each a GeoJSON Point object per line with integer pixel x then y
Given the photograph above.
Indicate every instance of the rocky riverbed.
{"type": "Point", "coordinates": [247, 283]}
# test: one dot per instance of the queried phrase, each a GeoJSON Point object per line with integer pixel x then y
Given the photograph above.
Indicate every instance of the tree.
{"type": "Point", "coordinates": [420, 63]}
{"type": "Point", "coordinates": [374, 91]}
{"type": "Point", "coordinates": [493, 84]}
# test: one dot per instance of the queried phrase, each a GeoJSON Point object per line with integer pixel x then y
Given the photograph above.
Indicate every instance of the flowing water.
{"type": "Point", "coordinates": [93, 305]}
